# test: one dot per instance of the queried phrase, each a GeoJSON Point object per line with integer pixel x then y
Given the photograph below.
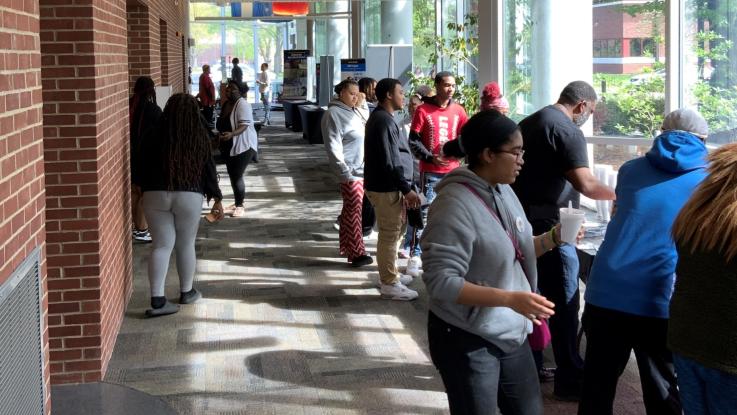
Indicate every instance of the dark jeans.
{"type": "Point", "coordinates": [428, 181]}
{"type": "Point", "coordinates": [704, 390]}
{"type": "Point", "coordinates": [557, 276]}
{"type": "Point", "coordinates": [207, 112]}
{"type": "Point", "coordinates": [236, 166]}
{"type": "Point", "coordinates": [610, 338]}
{"type": "Point", "coordinates": [479, 376]}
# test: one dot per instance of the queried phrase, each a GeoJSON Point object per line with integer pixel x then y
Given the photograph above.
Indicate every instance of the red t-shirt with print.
{"type": "Point", "coordinates": [436, 126]}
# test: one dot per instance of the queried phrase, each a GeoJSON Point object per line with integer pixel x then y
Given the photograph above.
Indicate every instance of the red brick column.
{"type": "Point", "coordinates": [143, 44]}
{"type": "Point", "coordinates": [22, 198]}
{"type": "Point", "coordinates": [85, 81]}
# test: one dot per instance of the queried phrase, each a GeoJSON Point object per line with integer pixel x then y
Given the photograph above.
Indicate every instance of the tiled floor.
{"type": "Point", "coordinates": [285, 326]}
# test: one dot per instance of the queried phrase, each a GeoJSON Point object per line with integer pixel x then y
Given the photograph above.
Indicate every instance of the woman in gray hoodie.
{"type": "Point", "coordinates": [343, 128]}
{"type": "Point", "coordinates": [479, 256]}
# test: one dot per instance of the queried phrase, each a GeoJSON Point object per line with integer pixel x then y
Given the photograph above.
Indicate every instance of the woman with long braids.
{"type": "Point", "coordinates": [178, 170]}
{"type": "Point", "coordinates": [238, 140]}
{"type": "Point", "coordinates": [143, 113]}
{"type": "Point", "coordinates": [343, 129]}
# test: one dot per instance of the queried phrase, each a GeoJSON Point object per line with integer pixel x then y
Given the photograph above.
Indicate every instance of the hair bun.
{"type": "Point", "coordinates": [454, 149]}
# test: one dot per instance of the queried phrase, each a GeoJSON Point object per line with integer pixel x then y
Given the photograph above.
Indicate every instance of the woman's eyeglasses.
{"type": "Point", "coordinates": [517, 153]}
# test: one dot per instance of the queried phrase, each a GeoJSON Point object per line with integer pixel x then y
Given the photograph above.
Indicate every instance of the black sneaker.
{"type": "Point", "coordinates": [166, 309]}
{"type": "Point", "coordinates": [189, 297]}
{"type": "Point", "coordinates": [546, 374]}
{"type": "Point", "coordinates": [361, 261]}
{"type": "Point", "coordinates": [142, 236]}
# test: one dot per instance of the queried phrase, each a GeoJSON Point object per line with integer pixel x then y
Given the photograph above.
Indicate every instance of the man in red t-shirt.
{"type": "Point", "coordinates": [437, 121]}
{"type": "Point", "coordinates": [207, 94]}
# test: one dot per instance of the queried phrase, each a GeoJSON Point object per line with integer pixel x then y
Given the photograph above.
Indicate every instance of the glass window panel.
{"type": "Point", "coordinates": [648, 47]}
{"type": "Point", "coordinates": [517, 47]}
{"type": "Point", "coordinates": [423, 32]}
{"type": "Point", "coordinates": [631, 88]}
{"type": "Point", "coordinates": [710, 65]}
{"type": "Point", "coordinates": [635, 47]}
{"type": "Point", "coordinates": [372, 21]}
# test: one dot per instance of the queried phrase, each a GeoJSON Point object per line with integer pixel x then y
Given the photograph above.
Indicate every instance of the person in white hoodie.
{"type": "Point", "coordinates": [343, 130]}
{"type": "Point", "coordinates": [479, 256]}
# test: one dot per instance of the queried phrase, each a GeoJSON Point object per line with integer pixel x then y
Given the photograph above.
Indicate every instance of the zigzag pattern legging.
{"type": "Point", "coordinates": [351, 231]}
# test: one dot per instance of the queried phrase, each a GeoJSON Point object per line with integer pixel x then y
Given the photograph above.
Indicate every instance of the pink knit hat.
{"type": "Point", "coordinates": [492, 98]}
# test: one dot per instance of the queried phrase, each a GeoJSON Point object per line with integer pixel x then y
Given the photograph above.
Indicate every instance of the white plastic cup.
{"type": "Point", "coordinates": [570, 222]}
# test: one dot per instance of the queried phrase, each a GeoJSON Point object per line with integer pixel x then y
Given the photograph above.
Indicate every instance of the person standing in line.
{"type": "Point", "coordinates": [631, 281]}
{"type": "Point", "coordinates": [206, 95]}
{"type": "Point", "coordinates": [388, 183]}
{"type": "Point", "coordinates": [343, 130]}
{"type": "Point", "coordinates": [236, 73]}
{"type": "Point", "coordinates": [436, 122]}
{"type": "Point", "coordinates": [492, 99]}
{"type": "Point", "coordinates": [702, 330]}
{"type": "Point", "coordinates": [177, 171]}
{"type": "Point", "coordinates": [408, 249]}
{"type": "Point", "coordinates": [238, 141]}
{"type": "Point", "coordinates": [479, 254]}
{"type": "Point", "coordinates": [367, 86]}
{"type": "Point", "coordinates": [263, 89]}
{"type": "Point", "coordinates": [556, 159]}
{"type": "Point", "coordinates": [143, 113]}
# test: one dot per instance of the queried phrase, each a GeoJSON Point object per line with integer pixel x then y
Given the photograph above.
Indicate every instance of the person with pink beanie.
{"type": "Point", "coordinates": [492, 99]}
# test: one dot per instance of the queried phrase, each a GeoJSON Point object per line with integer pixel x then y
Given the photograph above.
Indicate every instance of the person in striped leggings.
{"type": "Point", "coordinates": [343, 132]}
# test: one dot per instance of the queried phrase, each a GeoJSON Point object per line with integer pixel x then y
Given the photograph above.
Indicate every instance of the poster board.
{"type": "Point", "coordinates": [354, 68]}
{"type": "Point", "coordinates": [298, 74]}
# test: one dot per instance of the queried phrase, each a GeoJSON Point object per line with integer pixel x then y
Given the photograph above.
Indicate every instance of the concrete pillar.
{"type": "Point", "coordinates": [561, 51]}
{"type": "Point", "coordinates": [310, 31]}
{"type": "Point", "coordinates": [491, 47]}
{"type": "Point", "coordinates": [356, 30]}
{"type": "Point", "coordinates": [337, 31]}
{"type": "Point", "coordinates": [396, 22]}
{"type": "Point", "coordinates": [301, 33]}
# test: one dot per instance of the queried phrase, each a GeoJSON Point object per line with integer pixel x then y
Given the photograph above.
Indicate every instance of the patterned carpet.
{"type": "Point", "coordinates": [285, 325]}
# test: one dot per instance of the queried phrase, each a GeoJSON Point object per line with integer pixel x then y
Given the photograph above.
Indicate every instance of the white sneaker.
{"type": "Point", "coordinates": [414, 266]}
{"type": "Point", "coordinates": [406, 279]}
{"type": "Point", "coordinates": [397, 291]}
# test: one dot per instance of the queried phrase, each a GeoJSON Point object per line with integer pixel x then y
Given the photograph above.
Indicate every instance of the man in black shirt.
{"type": "Point", "coordinates": [387, 173]}
{"type": "Point", "coordinates": [556, 170]}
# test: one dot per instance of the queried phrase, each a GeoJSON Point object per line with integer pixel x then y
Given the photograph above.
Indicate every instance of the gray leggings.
{"type": "Point", "coordinates": [173, 219]}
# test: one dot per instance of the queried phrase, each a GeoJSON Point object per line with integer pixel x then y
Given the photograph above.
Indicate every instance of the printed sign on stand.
{"type": "Point", "coordinates": [296, 74]}
{"type": "Point", "coordinates": [354, 68]}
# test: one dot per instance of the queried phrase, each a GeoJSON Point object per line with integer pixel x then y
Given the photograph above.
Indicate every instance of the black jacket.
{"type": "Point", "coordinates": [145, 118]}
{"type": "Point", "coordinates": [388, 162]}
{"type": "Point", "coordinates": [155, 171]}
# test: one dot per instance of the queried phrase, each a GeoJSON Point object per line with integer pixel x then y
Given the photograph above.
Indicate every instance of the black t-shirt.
{"type": "Point", "coordinates": [553, 145]}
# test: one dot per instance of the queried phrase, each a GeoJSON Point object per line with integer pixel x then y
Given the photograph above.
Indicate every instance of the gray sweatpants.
{"type": "Point", "coordinates": [173, 219]}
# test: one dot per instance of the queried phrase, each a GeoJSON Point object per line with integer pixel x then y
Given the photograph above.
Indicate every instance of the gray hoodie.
{"type": "Point", "coordinates": [343, 131]}
{"type": "Point", "coordinates": [463, 242]}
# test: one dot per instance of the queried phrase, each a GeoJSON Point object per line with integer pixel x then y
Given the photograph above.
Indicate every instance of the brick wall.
{"type": "Point", "coordinates": [22, 198]}
{"type": "Point", "coordinates": [84, 61]}
{"type": "Point", "coordinates": [149, 24]}
{"type": "Point", "coordinates": [85, 50]}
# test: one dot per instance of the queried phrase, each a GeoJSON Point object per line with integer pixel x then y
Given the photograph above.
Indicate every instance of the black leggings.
{"type": "Point", "coordinates": [236, 166]}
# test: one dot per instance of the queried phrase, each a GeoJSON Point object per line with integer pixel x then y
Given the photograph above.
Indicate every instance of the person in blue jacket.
{"type": "Point", "coordinates": [632, 278]}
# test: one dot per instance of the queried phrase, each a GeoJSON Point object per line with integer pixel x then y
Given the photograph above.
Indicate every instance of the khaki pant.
{"type": "Point", "coordinates": [389, 207]}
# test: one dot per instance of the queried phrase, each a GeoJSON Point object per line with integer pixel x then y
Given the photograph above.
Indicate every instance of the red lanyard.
{"type": "Point", "coordinates": [518, 255]}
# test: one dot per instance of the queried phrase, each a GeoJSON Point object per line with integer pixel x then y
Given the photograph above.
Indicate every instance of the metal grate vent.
{"type": "Point", "coordinates": [21, 353]}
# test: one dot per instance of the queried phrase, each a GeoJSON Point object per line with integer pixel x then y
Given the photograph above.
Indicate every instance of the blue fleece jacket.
{"type": "Point", "coordinates": [633, 271]}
